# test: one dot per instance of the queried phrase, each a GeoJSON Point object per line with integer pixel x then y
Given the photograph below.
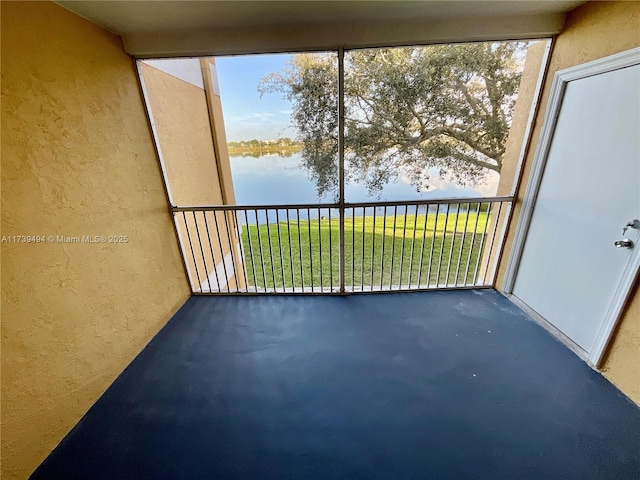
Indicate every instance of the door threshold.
{"type": "Point", "coordinates": [557, 334]}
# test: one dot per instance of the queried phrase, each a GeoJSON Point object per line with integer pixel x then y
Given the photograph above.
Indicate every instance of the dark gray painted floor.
{"type": "Point", "coordinates": [439, 385]}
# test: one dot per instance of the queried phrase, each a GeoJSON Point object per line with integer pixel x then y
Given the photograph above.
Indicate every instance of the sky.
{"type": "Point", "coordinates": [246, 115]}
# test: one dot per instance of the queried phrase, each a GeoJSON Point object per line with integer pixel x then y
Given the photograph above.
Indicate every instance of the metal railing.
{"type": "Point", "coordinates": [386, 246]}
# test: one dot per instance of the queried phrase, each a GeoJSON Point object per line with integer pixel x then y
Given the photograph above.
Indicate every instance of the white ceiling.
{"type": "Point", "coordinates": [179, 28]}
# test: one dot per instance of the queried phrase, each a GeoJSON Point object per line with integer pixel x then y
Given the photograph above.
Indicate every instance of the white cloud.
{"type": "Point", "coordinates": [486, 189]}
{"type": "Point", "coordinates": [253, 117]}
{"type": "Point", "coordinates": [490, 188]}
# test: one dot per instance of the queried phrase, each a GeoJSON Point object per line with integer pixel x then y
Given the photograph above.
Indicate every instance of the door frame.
{"type": "Point", "coordinates": [560, 81]}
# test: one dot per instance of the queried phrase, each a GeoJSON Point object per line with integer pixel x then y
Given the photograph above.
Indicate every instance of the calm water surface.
{"type": "Point", "coordinates": [278, 180]}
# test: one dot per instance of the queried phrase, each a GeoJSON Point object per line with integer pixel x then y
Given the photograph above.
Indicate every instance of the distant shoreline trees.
{"type": "Point", "coordinates": [256, 148]}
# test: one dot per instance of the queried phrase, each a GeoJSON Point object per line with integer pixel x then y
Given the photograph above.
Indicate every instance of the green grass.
{"type": "Point", "coordinates": [305, 253]}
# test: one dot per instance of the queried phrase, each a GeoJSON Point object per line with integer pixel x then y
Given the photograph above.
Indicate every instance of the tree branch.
{"type": "Point", "coordinates": [472, 101]}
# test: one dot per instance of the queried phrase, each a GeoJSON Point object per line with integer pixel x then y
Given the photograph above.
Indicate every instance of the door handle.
{"type": "Point", "coordinates": [624, 243]}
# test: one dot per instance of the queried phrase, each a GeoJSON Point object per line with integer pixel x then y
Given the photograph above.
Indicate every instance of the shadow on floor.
{"type": "Point", "coordinates": [434, 385]}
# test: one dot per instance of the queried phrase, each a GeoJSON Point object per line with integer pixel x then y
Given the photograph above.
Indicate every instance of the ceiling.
{"type": "Point", "coordinates": [179, 28]}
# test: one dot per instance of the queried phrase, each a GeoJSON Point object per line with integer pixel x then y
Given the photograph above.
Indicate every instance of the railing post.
{"type": "Point", "coordinates": [341, 161]}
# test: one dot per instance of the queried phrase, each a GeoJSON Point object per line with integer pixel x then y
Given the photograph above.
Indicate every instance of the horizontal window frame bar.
{"type": "Point", "coordinates": [390, 203]}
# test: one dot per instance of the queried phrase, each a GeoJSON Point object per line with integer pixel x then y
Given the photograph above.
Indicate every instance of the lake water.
{"type": "Point", "coordinates": [278, 180]}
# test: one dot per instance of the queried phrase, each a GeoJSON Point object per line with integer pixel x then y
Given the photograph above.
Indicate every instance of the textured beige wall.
{"type": "Point", "coordinates": [513, 146]}
{"type": "Point", "coordinates": [77, 159]}
{"type": "Point", "coordinates": [526, 93]}
{"type": "Point", "coordinates": [593, 31]}
{"type": "Point", "coordinates": [179, 111]}
{"type": "Point", "coordinates": [216, 120]}
{"type": "Point", "coordinates": [181, 114]}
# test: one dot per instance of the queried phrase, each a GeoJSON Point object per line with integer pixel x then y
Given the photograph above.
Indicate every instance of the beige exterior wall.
{"type": "Point", "coordinates": [622, 363]}
{"type": "Point", "coordinates": [526, 94]}
{"type": "Point", "coordinates": [77, 159]}
{"type": "Point", "coordinates": [593, 31]}
{"type": "Point", "coordinates": [192, 140]}
{"type": "Point", "coordinates": [513, 147]}
{"type": "Point", "coordinates": [216, 119]}
{"type": "Point", "coordinates": [181, 117]}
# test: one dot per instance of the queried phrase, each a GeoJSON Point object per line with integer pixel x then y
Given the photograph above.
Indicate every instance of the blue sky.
{"type": "Point", "coordinates": [246, 115]}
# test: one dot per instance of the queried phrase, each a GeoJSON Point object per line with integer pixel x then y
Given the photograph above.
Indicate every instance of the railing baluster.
{"type": "Point", "coordinates": [464, 236]}
{"type": "Point", "coordinates": [310, 250]}
{"type": "Point", "coordinates": [204, 260]}
{"type": "Point", "coordinates": [224, 260]}
{"type": "Point", "coordinates": [259, 230]}
{"type": "Point", "coordinates": [413, 244]}
{"type": "Point", "coordinates": [193, 256]}
{"type": "Point", "coordinates": [253, 265]}
{"type": "Point", "coordinates": [493, 237]}
{"type": "Point", "coordinates": [424, 237]}
{"type": "Point", "coordinates": [300, 249]}
{"type": "Point", "coordinates": [213, 255]}
{"type": "Point", "coordinates": [320, 249]}
{"type": "Point", "coordinates": [241, 248]}
{"type": "Point", "coordinates": [482, 242]}
{"type": "Point", "coordinates": [444, 238]}
{"type": "Point", "coordinates": [384, 234]}
{"type": "Point", "coordinates": [373, 246]}
{"type": "Point", "coordinates": [471, 246]}
{"type": "Point", "coordinates": [353, 248]}
{"type": "Point", "coordinates": [453, 244]}
{"type": "Point", "coordinates": [364, 220]}
{"type": "Point", "coordinates": [280, 248]}
{"type": "Point", "coordinates": [330, 253]}
{"type": "Point", "coordinates": [404, 234]}
{"type": "Point", "coordinates": [433, 243]}
{"type": "Point", "coordinates": [293, 281]}
{"type": "Point", "coordinates": [393, 244]}
{"type": "Point", "coordinates": [232, 274]}
{"type": "Point", "coordinates": [273, 269]}
{"type": "Point", "coordinates": [232, 249]}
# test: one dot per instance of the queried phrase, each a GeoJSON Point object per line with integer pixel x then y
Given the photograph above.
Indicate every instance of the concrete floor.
{"type": "Point", "coordinates": [437, 385]}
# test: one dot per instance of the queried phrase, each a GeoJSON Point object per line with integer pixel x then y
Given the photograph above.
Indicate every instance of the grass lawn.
{"type": "Point", "coordinates": [413, 250]}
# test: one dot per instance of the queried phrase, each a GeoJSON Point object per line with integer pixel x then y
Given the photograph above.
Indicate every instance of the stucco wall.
{"type": "Point", "coordinates": [180, 113]}
{"type": "Point", "coordinates": [593, 31]}
{"type": "Point", "coordinates": [216, 119]}
{"type": "Point", "coordinates": [513, 146]}
{"type": "Point", "coordinates": [184, 127]}
{"type": "Point", "coordinates": [526, 93]}
{"type": "Point", "coordinates": [77, 159]}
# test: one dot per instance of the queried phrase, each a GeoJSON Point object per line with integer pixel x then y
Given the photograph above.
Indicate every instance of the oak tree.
{"type": "Point", "coordinates": [409, 110]}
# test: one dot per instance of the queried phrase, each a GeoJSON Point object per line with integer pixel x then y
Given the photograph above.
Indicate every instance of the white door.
{"type": "Point", "coordinates": [570, 272]}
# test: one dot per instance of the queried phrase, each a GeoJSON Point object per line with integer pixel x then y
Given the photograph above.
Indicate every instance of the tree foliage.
{"type": "Point", "coordinates": [407, 110]}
